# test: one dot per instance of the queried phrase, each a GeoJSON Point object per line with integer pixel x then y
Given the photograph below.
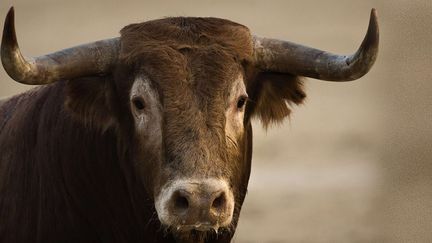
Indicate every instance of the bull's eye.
{"type": "Point", "coordinates": [138, 102]}
{"type": "Point", "coordinates": [241, 102]}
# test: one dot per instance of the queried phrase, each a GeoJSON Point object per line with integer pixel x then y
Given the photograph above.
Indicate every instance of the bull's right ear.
{"type": "Point", "coordinates": [274, 95]}
{"type": "Point", "coordinates": [90, 101]}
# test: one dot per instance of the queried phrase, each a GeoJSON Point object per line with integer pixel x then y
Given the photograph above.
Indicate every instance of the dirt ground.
{"type": "Point", "coordinates": [354, 164]}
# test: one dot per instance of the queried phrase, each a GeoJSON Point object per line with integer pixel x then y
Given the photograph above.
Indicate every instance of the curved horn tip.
{"type": "Point", "coordinates": [9, 35]}
{"type": "Point", "coordinates": [10, 55]}
{"type": "Point", "coordinates": [11, 10]}
{"type": "Point", "coordinates": [371, 39]}
{"type": "Point", "coordinates": [11, 14]}
{"type": "Point", "coordinates": [367, 53]}
{"type": "Point", "coordinates": [374, 13]}
{"type": "Point", "coordinates": [373, 22]}
{"type": "Point", "coordinates": [372, 34]}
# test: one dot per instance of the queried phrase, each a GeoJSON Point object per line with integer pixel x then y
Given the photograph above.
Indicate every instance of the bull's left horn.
{"type": "Point", "coordinates": [88, 59]}
{"type": "Point", "coordinates": [286, 57]}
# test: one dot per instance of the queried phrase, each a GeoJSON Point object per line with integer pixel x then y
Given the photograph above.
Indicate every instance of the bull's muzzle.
{"type": "Point", "coordinates": [200, 204]}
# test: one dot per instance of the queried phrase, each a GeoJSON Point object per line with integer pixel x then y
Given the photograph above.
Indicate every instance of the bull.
{"type": "Point", "coordinates": [147, 137]}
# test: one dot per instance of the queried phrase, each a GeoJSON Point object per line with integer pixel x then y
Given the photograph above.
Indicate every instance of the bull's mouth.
{"type": "Point", "coordinates": [197, 233]}
{"type": "Point", "coordinates": [203, 227]}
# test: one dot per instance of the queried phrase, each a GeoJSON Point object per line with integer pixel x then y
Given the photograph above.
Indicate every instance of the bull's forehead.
{"type": "Point", "coordinates": [156, 39]}
{"type": "Point", "coordinates": [190, 30]}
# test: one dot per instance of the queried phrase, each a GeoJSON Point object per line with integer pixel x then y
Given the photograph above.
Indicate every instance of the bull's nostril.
{"type": "Point", "coordinates": [219, 202]}
{"type": "Point", "coordinates": [181, 203]}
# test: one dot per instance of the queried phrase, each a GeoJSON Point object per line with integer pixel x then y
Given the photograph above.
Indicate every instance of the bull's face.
{"type": "Point", "coordinates": [187, 102]}
{"type": "Point", "coordinates": [180, 93]}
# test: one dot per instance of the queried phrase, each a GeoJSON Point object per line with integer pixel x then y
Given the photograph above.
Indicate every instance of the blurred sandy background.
{"type": "Point", "coordinates": [354, 164]}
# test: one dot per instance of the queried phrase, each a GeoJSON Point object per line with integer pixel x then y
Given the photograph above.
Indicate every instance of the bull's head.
{"type": "Point", "coordinates": [181, 93]}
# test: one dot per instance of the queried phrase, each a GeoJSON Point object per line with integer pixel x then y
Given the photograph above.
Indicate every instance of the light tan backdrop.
{"type": "Point", "coordinates": [354, 164]}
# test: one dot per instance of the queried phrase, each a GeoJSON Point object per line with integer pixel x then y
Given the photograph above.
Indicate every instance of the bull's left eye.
{"type": "Point", "coordinates": [138, 103]}
{"type": "Point", "coordinates": [241, 102]}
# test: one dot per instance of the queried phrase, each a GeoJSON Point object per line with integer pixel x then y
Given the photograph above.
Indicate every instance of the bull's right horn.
{"type": "Point", "coordinates": [88, 59]}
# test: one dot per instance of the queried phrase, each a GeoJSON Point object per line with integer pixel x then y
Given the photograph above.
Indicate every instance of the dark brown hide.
{"type": "Point", "coordinates": [71, 169]}
{"type": "Point", "coordinates": [63, 182]}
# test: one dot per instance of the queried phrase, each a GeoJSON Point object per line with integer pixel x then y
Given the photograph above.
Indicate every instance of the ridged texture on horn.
{"type": "Point", "coordinates": [88, 59]}
{"type": "Point", "coordinates": [287, 57]}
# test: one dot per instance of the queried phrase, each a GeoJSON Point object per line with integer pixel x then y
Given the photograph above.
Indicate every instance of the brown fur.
{"type": "Point", "coordinates": [276, 94]}
{"type": "Point", "coordinates": [71, 169]}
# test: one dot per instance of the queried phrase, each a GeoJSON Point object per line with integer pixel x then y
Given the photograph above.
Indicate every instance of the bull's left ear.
{"type": "Point", "coordinates": [89, 99]}
{"type": "Point", "coordinates": [273, 95]}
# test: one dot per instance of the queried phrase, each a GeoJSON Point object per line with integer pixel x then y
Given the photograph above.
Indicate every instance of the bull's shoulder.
{"type": "Point", "coordinates": [7, 104]}
{"type": "Point", "coordinates": [18, 107]}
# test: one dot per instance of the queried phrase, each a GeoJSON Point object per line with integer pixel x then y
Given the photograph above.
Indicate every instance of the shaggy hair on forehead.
{"type": "Point", "coordinates": [185, 33]}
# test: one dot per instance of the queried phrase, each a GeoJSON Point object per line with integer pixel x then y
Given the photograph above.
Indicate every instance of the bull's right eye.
{"type": "Point", "coordinates": [138, 103]}
{"type": "Point", "coordinates": [241, 102]}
